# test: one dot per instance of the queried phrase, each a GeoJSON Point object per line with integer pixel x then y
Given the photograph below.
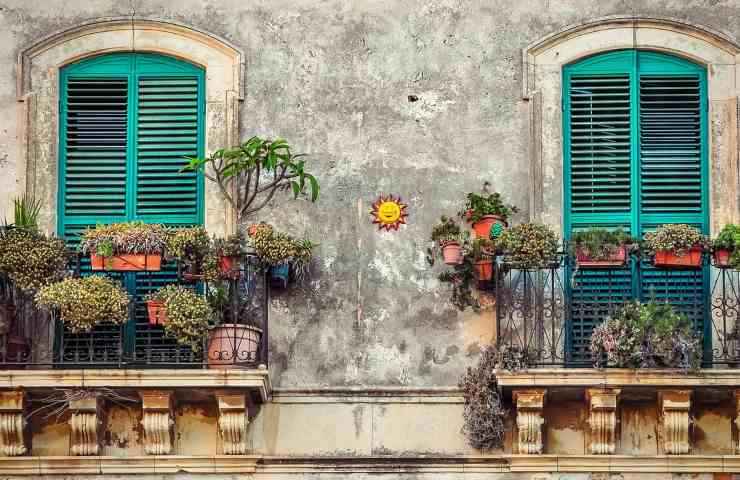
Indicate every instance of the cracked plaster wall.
{"type": "Point", "coordinates": [336, 78]}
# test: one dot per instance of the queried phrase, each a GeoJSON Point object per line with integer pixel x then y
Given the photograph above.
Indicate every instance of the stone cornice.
{"type": "Point", "coordinates": [618, 377]}
{"type": "Point", "coordinates": [138, 379]}
{"type": "Point", "coordinates": [432, 395]}
{"type": "Point", "coordinates": [260, 465]}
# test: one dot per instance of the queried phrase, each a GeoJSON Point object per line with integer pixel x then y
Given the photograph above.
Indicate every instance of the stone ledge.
{"type": "Point", "coordinates": [617, 377]}
{"type": "Point", "coordinates": [259, 465]}
{"type": "Point", "coordinates": [138, 379]}
{"type": "Point", "coordinates": [415, 395]}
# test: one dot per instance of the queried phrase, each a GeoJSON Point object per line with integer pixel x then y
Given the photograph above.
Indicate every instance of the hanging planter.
{"type": "Point", "coordinates": [598, 247]}
{"type": "Point", "coordinates": [452, 253]}
{"type": "Point", "coordinates": [484, 269]}
{"type": "Point", "coordinates": [231, 345]}
{"type": "Point", "coordinates": [487, 212]}
{"type": "Point", "coordinates": [157, 312]}
{"type": "Point", "coordinates": [127, 263]}
{"type": "Point", "coordinates": [670, 259]}
{"type": "Point", "coordinates": [280, 274]}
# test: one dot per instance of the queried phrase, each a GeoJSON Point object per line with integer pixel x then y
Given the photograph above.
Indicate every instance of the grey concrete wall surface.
{"type": "Point", "coordinates": [337, 78]}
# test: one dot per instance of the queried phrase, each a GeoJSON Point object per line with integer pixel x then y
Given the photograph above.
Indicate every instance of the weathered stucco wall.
{"type": "Point", "coordinates": [337, 79]}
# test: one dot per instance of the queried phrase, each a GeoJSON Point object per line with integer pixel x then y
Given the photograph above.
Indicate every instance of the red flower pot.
{"type": "Point", "coordinates": [616, 259]}
{"type": "Point", "coordinates": [722, 257]}
{"type": "Point", "coordinates": [482, 227]}
{"type": "Point", "coordinates": [231, 345]}
{"type": "Point", "coordinates": [484, 269]}
{"type": "Point", "coordinates": [452, 253]}
{"type": "Point", "coordinates": [669, 259]}
{"type": "Point", "coordinates": [229, 266]}
{"type": "Point", "coordinates": [157, 312]}
{"type": "Point", "coordinates": [127, 263]}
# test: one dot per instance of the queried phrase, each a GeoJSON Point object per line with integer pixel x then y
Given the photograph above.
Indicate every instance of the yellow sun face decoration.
{"type": "Point", "coordinates": [389, 212]}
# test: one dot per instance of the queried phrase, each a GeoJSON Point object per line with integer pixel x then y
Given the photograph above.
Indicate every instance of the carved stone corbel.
{"type": "Point", "coordinates": [676, 421]}
{"type": "Point", "coordinates": [737, 419]}
{"type": "Point", "coordinates": [529, 419]}
{"type": "Point", "coordinates": [12, 423]}
{"type": "Point", "coordinates": [157, 421]}
{"type": "Point", "coordinates": [85, 422]}
{"type": "Point", "coordinates": [602, 407]}
{"type": "Point", "coordinates": [233, 418]}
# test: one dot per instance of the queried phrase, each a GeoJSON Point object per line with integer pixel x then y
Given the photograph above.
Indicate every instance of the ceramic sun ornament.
{"type": "Point", "coordinates": [389, 212]}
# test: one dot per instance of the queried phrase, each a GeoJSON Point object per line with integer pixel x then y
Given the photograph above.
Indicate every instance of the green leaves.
{"type": "Point", "coordinates": [26, 211]}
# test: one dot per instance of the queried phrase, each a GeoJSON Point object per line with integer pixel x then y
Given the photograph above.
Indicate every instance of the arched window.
{"type": "Point", "coordinates": [127, 120]}
{"type": "Point", "coordinates": [635, 157]}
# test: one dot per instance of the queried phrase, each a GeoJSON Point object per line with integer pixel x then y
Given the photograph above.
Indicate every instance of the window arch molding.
{"type": "Point", "coordinates": [543, 63]}
{"type": "Point", "coordinates": [38, 70]}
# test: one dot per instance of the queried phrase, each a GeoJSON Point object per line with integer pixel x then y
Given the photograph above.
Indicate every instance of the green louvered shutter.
{"type": "Point", "coordinates": [128, 122]}
{"type": "Point", "coordinates": [635, 158]}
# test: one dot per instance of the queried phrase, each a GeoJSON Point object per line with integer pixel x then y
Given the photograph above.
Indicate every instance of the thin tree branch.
{"type": "Point", "coordinates": [267, 199]}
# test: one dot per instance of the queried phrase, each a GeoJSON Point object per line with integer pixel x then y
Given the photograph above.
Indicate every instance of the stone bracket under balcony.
{"type": "Point", "coordinates": [623, 411]}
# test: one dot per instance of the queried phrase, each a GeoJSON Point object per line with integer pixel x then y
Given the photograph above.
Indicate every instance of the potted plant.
{"type": "Point", "coordinates": [30, 259]}
{"type": "Point", "coordinates": [133, 246]}
{"type": "Point", "coordinates": [481, 250]}
{"type": "Point", "coordinates": [724, 248]}
{"type": "Point", "coordinates": [675, 246]}
{"type": "Point", "coordinates": [646, 335]}
{"type": "Point", "coordinates": [447, 235]}
{"type": "Point", "coordinates": [600, 248]}
{"type": "Point", "coordinates": [279, 251]}
{"type": "Point", "coordinates": [230, 252]}
{"type": "Point", "coordinates": [192, 248]}
{"type": "Point", "coordinates": [487, 212]}
{"type": "Point", "coordinates": [85, 302]}
{"type": "Point", "coordinates": [529, 246]}
{"type": "Point", "coordinates": [184, 314]}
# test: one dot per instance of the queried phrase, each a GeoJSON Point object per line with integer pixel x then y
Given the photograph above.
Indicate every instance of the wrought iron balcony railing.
{"type": "Point", "coordinates": [33, 338]}
{"type": "Point", "coordinates": [550, 313]}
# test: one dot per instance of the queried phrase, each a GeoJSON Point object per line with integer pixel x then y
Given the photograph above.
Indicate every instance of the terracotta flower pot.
{"type": "Point", "coordinates": [156, 312]}
{"type": "Point", "coordinates": [127, 263]}
{"type": "Point", "coordinates": [616, 259]}
{"type": "Point", "coordinates": [229, 266]}
{"type": "Point", "coordinates": [482, 227]}
{"type": "Point", "coordinates": [452, 253]}
{"type": "Point", "coordinates": [669, 259]}
{"type": "Point", "coordinates": [484, 269]}
{"type": "Point", "coordinates": [231, 345]}
{"type": "Point", "coordinates": [722, 258]}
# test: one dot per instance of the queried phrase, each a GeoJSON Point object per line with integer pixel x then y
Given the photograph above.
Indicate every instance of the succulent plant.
{"type": "Point", "coordinates": [124, 238]}
{"type": "Point", "coordinates": [529, 245]}
{"type": "Point", "coordinates": [278, 248]}
{"type": "Point", "coordinates": [30, 259]}
{"type": "Point", "coordinates": [231, 246]}
{"type": "Point", "coordinates": [446, 231]}
{"type": "Point", "coordinates": [188, 315]}
{"type": "Point", "coordinates": [599, 243]}
{"type": "Point", "coordinates": [85, 302]}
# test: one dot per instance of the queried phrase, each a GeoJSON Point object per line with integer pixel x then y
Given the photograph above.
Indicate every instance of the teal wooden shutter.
{"type": "Point", "coordinates": [128, 120]}
{"type": "Point", "coordinates": [635, 158]}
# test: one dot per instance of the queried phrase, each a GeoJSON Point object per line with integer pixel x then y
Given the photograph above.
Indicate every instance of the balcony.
{"type": "Point", "coordinates": [34, 339]}
{"type": "Point", "coordinates": [549, 313]}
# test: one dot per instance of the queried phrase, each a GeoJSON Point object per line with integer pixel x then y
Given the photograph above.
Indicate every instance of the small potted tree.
{"type": "Point", "coordinates": [529, 246]}
{"type": "Point", "coordinates": [600, 248]}
{"type": "Point", "coordinates": [725, 247]}
{"type": "Point", "coordinates": [447, 236]}
{"type": "Point", "coordinates": [487, 212]}
{"type": "Point", "coordinates": [122, 247]}
{"type": "Point", "coordinates": [192, 248]}
{"type": "Point", "coordinates": [83, 303]}
{"type": "Point", "coordinates": [675, 246]}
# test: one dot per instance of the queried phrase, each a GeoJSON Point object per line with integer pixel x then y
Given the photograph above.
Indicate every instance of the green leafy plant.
{"type": "Point", "coordinates": [599, 243]}
{"type": "Point", "coordinates": [26, 210]}
{"type": "Point", "coordinates": [478, 205]}
{"type": "Point", "coordinates": [277, 248]}
{"type": "Point", "coordinates": [85, 302]}
{"type": "Point", "coordinates": [248, 175]}
{"type": "Point", "coordinates": [529, 245]}
{"type": "Point", "coordinates": [729, 239]}
{"type": "Point", "coordinates": [188, 315]}
{"type": "Point", "coordinates": [678, 238]}
{"type": "Point", "coordinates": [194, 248]}
{"type": "Point", "coordinates": [125, 238]}
{"type": "Point", "coordinates": [644, 335]}
{"type": "Point", "coordinates": [31, 259]}
{"type": "Point", "coordinates": [483, 411]}
{"type": "Point", "coordinates": [446, 231]}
